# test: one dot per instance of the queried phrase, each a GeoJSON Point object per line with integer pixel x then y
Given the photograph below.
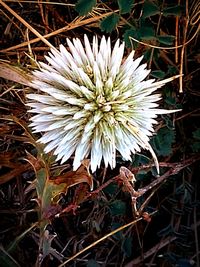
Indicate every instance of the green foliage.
{"type": "Point", "coordinates": [146, 32]}
{"type": "Point", "coordinates": [162, 142]}
{"type": "Point", "coordinates": [125, 6]}
{"type": "Point", "coordinates": [196, 142]}
{"type": "Point", "coordinates": [166, 39]}
{"type": "Point", "coordinates": [117, 207]}
{"type": "Point", "coordinates": [196, 134]}
{"type": "Point", "coordinates": [159, 74]}
{"type": "Point", "coordinates": [118, 235]}
{"type": "Point", "coordinates": [83, 7]}
{"type": "Point", "coordinates": [111, 189]}
{"type": "Point", "coordinates": [170, 99]}
{"type": "Point", "coordinates": [127, 246]}
{"type": "Point", "coordinates": [92, 263]}
{"type": "Point", "coordinates": [109, 23]}
{"type": "Point", "coordinates": [174, 11]}
{"type": "Point", "coordinates": [153, 23]}
{"type": "Point", "coordinates": [150, 9]}
{"type": "Point", "coordinates": [131, 32]}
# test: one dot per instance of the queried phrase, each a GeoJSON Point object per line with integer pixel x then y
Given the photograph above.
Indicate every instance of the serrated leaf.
{"type": "Point", "coordinates": [195, 146]}
{"type": "Point", "coordinates": [109, 23]}
{"type": "Point", "coordinates": [130, 33]}
{"type": "Point", "coordinates": [83, 7]}
{"type": "Point", "coordinates": [158, 74]}
{"type": "Point", "coordinates": [174, 10]}
{"type": "Point", "coordinates": [146, 33]}
{"type": "Point", "coordinates": [111, 189]}
{"type": "Point", "coordinates": [167, 40]}
{"type": "Point", "coordinates": [196, 134]}
{"type": "Point", "coordinates": [118, 207]}
{"type": "Point", "coordinates": [162, 142]}
{"type": "Point", "coordinates": [170, 100]}
{"type": "Point", "coordinates": [125, 6]}
{"type": "Point", "coordinates": [150, 9]}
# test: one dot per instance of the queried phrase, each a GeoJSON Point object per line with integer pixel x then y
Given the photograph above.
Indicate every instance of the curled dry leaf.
{"type": "Point", "coordinates": [126, 173]}
{"type": "Point", "coordinates": [71, 178]}
{"type": "Point", "coordinates": [60, 184]}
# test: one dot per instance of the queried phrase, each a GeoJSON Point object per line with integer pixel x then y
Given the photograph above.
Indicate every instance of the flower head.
{"type": "Point", "coordinates": [89, 101]}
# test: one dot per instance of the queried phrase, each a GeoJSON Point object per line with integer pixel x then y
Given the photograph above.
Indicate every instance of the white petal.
{"type": "Point", "coordinates": [82, 151]}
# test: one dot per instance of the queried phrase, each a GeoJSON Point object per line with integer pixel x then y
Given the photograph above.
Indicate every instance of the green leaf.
{"type": "Point", "coordinates": [167, 40]}
{"type": "Point", "coordinates": [146, 33]}
{"type": "Point", "coordinates": [127, 246]}
{"type": "Point", "coordinates": [111, 189]}
{"type": "Point", "coordinates": [84, 6]}
{"type": "Point", "coordinates": [162, 142]}
{"type": "Point", "coordinates": [150, 9]}
{"type": "Point", "coordinates": [118, 235]}
{"type": "Point", "coordinates": [174, 10]}
{"type": "Point", "coordinates": [158, 74]}
{"type": "Point", "coordinates": [125, 6]}
{"type": "Point", "coordinates": [170, 100]}
{"type": "Point", "coordinates": [195, 146]}
{"type": "Point", "coordinates": [196, 143]}
{"type": "Point", "coordinates": [92, 263]}
{"type": "Point", "coordinates": [132, 32]}
{"type": "Point", "coordinates": [109, 23]}
{"type": "Point", "coordinates": [196, 134]}
{"type": "Point", "coordinates": [117, 207]}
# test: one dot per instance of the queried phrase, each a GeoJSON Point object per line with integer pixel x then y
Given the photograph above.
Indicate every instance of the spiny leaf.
{"type": "Point", "coordinates": [60, 184]}
{"type": "Point", "coordinates": [109, 23]}
{"type": "Point", "coordinates": [125, 6]}
{"type": "Point", "coordinates": [83, 7]}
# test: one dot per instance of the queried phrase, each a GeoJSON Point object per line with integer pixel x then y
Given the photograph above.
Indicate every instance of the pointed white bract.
{"type": "Point", "coordinates": [89, 102]}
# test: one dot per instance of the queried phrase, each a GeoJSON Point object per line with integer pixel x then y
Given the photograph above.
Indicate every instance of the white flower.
{"type": "Point", "coordinates": [89, 101]}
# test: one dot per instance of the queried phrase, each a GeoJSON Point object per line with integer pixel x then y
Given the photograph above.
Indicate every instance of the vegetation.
{"type": "Point", "coordinates": [132, 217]}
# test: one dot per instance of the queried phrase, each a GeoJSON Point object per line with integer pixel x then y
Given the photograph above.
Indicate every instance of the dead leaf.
{"type": "Point", "coordinates": [15, 74]}
{"type": "Point", "coordinates": [72, 178]}
{"type": "Point", "coordinates": [124, 172]}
